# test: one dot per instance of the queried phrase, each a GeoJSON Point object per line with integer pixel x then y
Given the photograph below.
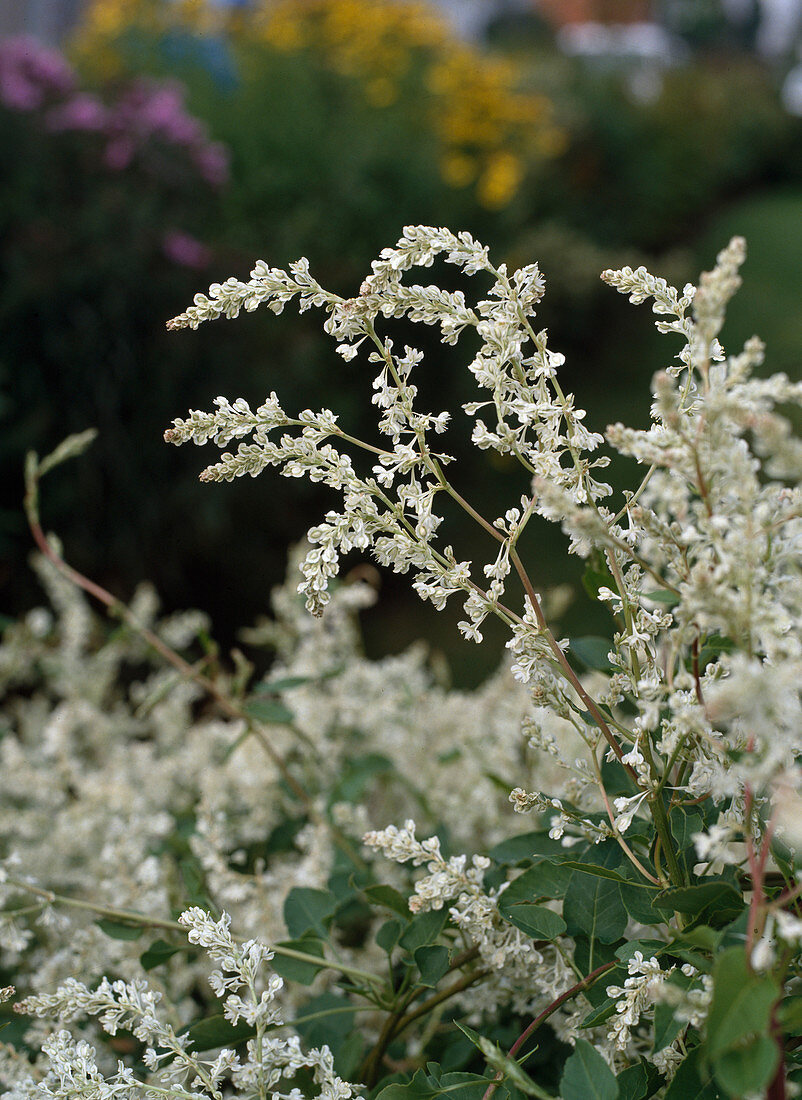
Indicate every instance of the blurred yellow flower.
{"type": "Point", "coordinates": [458, 170]}
{"type": "Point", "coordinates": [490, 130]}
{"type": "Point", "coordinates": [381, 92]}
{"type": "Point", "coordinates": [499, 181]}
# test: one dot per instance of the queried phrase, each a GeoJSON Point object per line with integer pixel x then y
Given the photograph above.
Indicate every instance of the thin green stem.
{"type": "Point", "coordinates": [130, 916]}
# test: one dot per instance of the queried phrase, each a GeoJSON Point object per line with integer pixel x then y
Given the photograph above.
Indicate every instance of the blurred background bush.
{"type": "Point", "coordinates": [154, 146]}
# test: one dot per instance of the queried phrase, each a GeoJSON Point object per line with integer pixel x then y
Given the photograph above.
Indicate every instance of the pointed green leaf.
{"type": "Point", "coordinates": [158, 952]}
{"type": "Point", "coordinates": [592, 651]}
{"type": "Point", "coordinates": [594, 906]}
{"type": "Point", "coordinates": [662, 596]}
{"type": "Point", "coordinates": [423, 929]}
{"type": "Point", "coordinates": [749, 1068]}
{"type": "Point", "coordinates": [525, 846]}
{"type": "Point", "coordinates": [286, 683]}
{"type": "Point", "coordinates": [742, 1002]}
{"type": "Point", "coordinates": [455, 1086]}
{"type": "Point", "coordinates": [389, 898]}
{"type": "Point", "coordinates": [600, 1014]}
{"type": "Point", "coordinates": [306, 909]}
{"type": "Point", "coordinates": [117, 930]}
{"type": "Point", "coordinates": [691, 1083]}
{"type": "Point", "coordinates": [638, 1082]}
{"type": "Point", "coordinates": [714, 903]}
{"type": "Point", "coordinates": [269, 711]}
{"type": "Point", "coordinates": [296, 970]}
{"type": "Point", "coordinates": [511, 1071]}
{"type": "Point", "coordinates": [604, 872]}
{"type": "Point", "coordinates": [587, 1076]}
{"type": "Point", "coordinates": [544, 880]}
{"type": "Point", "coordinates": [217, 1031]}
{"type": "Point", "coordinates": [432, 962]}
{"type": "Point", "coordinates": [388, 935]}
{"type": "Point", "coordinates": [536, 920]}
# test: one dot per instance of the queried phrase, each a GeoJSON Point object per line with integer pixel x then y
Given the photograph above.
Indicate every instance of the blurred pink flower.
{"type": "Point", "coordinates": [82, 112]}
{"type": "Point", "coordinates": [144, 118]}
{"type": "Point", "coordinates": [212, 162]}
{"type": "Point", "coordinates": [119, 152]}
{"type": "Point", "coordinates": [30, 73]}
{"type": "Point", "coordinates": [183, 249]}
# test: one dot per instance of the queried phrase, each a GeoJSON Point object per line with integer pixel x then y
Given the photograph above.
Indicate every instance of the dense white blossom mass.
{"type": "Point", "coordinates": [673, 757]}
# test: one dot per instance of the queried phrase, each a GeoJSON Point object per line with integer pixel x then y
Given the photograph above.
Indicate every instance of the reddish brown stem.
{"type": "Point", "coordinates": [570, 675]}
{"type": "Point", "coordinates": [226, 704]}
{"type": "Point", "coordinates": [776, 1090]}
{"type": "Point", "coordinates": [586, 983]}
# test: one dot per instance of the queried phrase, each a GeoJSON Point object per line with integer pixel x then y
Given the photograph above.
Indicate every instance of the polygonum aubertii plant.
{"type": "Point", "coordinates": [650, 919]}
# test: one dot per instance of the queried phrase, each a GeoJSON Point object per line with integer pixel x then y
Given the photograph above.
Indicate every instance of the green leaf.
{"type": "Point", "coordinates": [350, 1056]}
{"type": "Point", "coordinates": [195, 883]}
{"type": "Point", "coordinates": [432, 962]}
{"type": "Point", "coordinates": [597, 576]}
{"type": "Point", "coordinates": [714, 903]}
{"type": "Point", "coordinates": [662, 596]}
{"type": "Point", "coordinates": [789, 1016]}
{"type": "Point", "coordinates": [325, 1021]}
{"type": "Point", "coordinates": [638, 904]}
{"type": "Point", "coordinates": [118, 930]}
{"type": "Point", "coordinates": [456, 1086]}
{"type": "Point", "coordinates": [282, 836]}
{"type": "Point", "coordinates": [748, 1068]}
{"type": "Point", "coordinates": [590, 954]}
{"type": "Point", "coordinates": [544, 880]}
{"type": "Point", "coordinates": [423, 929]}
{"type": "Point", "coordinates": [603, 872]}
{"type": "Point", "coordinates": [536, 920]}
{"type": "Point", "coordinates": [684, 825]}
{"type": "Point", "coordinates": [647, 948]}
{"type": "Point", "coordinates": [701, 936]}
{"type": "Point", "coordinates": [602, 1012]}
{"type": "Point", "coordinates": [388, 935]}
{"type": "Point", "coordinates": [666, 1026]}
{"type": "Point", "coordinates": [638, 1082]}
{"type": "Point", "coordinates": [286, 683]}
{"type": "Point", "coordinates": [587, 1076]}
{"type": "Point", "coordinates": [306, 909]}
{"type": "Point", "coordinates": [502, 1063]}
{"type": "Point", "coordinates": [526, 846]}
{"type": "Point", "coordinates": [742, 1002]}
{"type": "Point", "coordinates": [270, 711]}
{"type": "Point", "coordinates": [296, 970]}
{"type": "Point", "coordinates": [632, 1083]}
{"type": "Point", "coordinates": [594, 906]}
{"type": "Point", "coordinates": [592, 651]}
{"type": "Point", "coordinates": [389, 898]}
{"type": "Point", "coordinates": [217, 1031]}
{"type": "Point", "coordinates": [358, 775]}
{"type": "Point", "coordinates": [689, 1084]}
{"type": "Point", "coordinates": [158, 952]}
{"type": "Point", "coordinates": [713, 646]}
